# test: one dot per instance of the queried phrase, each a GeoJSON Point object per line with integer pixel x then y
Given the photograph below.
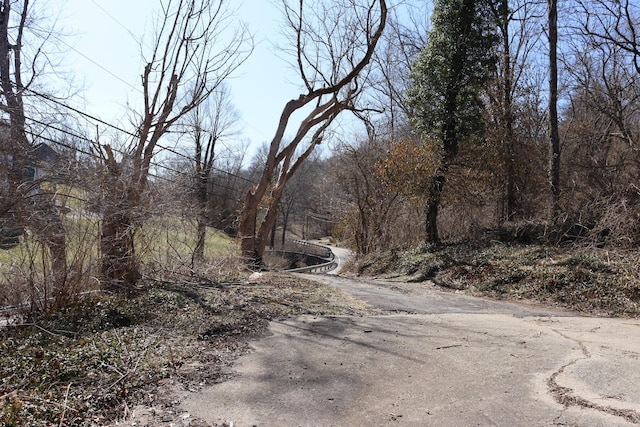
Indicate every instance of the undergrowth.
{"type": "Point", "coordinates": [596, 281]}
{"type": "Point", "coordinates": [90, 363]}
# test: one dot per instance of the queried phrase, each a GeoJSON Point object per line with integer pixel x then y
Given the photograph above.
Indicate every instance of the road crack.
{"type": "Point", "coordinates": [567, 397]}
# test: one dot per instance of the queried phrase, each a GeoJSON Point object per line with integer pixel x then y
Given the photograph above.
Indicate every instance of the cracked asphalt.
{"type": "Point", "coordinates": [433, 359]}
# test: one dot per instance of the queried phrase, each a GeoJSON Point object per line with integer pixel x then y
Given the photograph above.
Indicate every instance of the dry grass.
{"type": "Point", "coordinates": [88, 364]}
{"type": "Point", "coordinates": [589, 280]}
{"type": "Point", "coordinates": [164, 247]}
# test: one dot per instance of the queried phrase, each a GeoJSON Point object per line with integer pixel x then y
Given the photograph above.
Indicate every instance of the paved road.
{"type": "Point", "coordinates": [342, 256]}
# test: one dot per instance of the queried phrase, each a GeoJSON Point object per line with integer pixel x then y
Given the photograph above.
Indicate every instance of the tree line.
{"type": "Point", "coordinates": [511, 119]}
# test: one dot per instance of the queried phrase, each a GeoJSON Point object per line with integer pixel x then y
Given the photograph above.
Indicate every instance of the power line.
{"type": "Point", "coordinates": [159, 165]}
{"type": "Point", "coordinates": [85, 114]}
{"type": "Point", "coordinates": [155, 164]}
{"type": "Point", "coordinates": [105, 69]}
{"type": "Point", "coordinates": [159, 177]}
{"type": "Point", "coordinates": [96, 119]}
{"type": "Point", "coordinates": [82, 113]}
{"type": "Point", "coordinates": [133, 36]}
{"type": "Point", "coordinates": [65, 131]}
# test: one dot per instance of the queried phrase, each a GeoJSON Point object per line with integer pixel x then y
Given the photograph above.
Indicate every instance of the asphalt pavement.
{"type": "Point", "coordinates": [434, 359]}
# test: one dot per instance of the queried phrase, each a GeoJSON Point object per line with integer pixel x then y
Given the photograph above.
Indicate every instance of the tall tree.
{"type": "Point", "coordinates": [333, 42]}
{"type": "Point", "coordinates": [448, 79]}
{"type": "Point", "coordinates": [192, 54]}
{"type": "Point", "coordinates": [208, 123]}
{"type": "Point", "coordinates": [518, 23]}
{"type": "Point", "coordinates": [18, 73]}
{"type": "Point", "coordinates": [554, 135]}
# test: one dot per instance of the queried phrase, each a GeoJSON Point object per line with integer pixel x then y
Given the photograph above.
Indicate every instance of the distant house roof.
{"type": "Point", "coordinates": [39, 154]}
{"type": "Point", "coordinates": [44, 153]}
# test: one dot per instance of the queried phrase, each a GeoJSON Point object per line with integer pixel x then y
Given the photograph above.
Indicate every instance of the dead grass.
{"type": "Point", "coordinates": [589, 280]}
{"type": "Point", "coordinates": [90, 363]}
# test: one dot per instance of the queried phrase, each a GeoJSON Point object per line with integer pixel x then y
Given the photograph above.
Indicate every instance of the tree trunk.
{"type": "Point", "coordinates": [247, 231]}
{"type": "Point", "coordinates": [285, 224]}
{"type": "Point", "coordinates": [120, 268]}
{"type": "Point", "coordinates": [272, 238]}
{"type": "Point", "coordinates": [507, 114]}
{"type": "Point", "coordinates": [47, 225]}
{"type": "Point", "coordinates": [202, 218]}
{"type": "Point", "coordinates": [432, 208]}
{"type": "Point", "coordinates": [450, 146]}
{"type": "Point", "coordinates": [554, 169]}
{"type": "Point", "coordinates": [201, 237]}
{"type": "Point", "coordinates": [270, 218]}
{"type": "Point", "coordinates": [432, 222]}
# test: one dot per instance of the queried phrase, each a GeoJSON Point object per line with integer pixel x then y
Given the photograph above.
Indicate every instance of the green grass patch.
{"type": "Point", "coordinates": [175, 239]}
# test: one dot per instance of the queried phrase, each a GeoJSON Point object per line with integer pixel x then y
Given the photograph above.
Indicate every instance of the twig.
{"type": "Point", "coordinates": [122, 376]}
{"type": "Point", "coordinates": [64, 408]}
{"type": "Point", "coordinates": [125, 410]}
{"type": "Point", "coordinates": [448, 346]}
{"type": "Point", "coordinates": [56, 333]}
{"type": "Point", "coordinates": [6, 396]}
{"type": "Point", "coordinates": [47, 401]}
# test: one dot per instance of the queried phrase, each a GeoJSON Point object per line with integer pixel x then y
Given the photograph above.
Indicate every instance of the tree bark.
{"type": "Point", "coordinates": [202, 216]}
{"type": "Point", "coordinates": [42, 216]}
{"type": "Point", "coordinates": [247, 231]}
{"type": "Point", "coordinates": [507, 114]}
{"type": "Point", "coordinates": [117, 243]}
{"type": "Point", "coordinates": [554, 136]}
{"type": "Point", "coordinates": [432, 208]}
{"type": "Point", "coordinates": [327, 97]}
{"type": "Point", "coordinates": [285, 224]}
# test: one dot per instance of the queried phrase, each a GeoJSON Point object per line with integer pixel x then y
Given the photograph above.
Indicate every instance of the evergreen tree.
{"type": "Point", "coordinates": [448, 79]}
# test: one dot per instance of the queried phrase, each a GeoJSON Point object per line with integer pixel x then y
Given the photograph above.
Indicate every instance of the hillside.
{"type": "Point", "coordinates": [593, 281]}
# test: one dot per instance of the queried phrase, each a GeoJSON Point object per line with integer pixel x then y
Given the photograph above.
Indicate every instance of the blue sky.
{"type": "Point", "coordinates": [104, 55]}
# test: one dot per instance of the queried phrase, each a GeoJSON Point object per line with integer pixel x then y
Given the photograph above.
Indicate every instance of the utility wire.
{"type": "Point", "coordinates": [105, 69]}
{"type": "Point", "coordinates": [110, 125]}
{"type": "Point", "coordinates": [133, 36]}
{"type": "Point", "coordinates": [159, 177]}
{"type": "Point", "coordinates": [160, 146]}
{"type": "Point", "coordinates": [82, 113]}
{"type": "Point", "coordinates": [93, 155]}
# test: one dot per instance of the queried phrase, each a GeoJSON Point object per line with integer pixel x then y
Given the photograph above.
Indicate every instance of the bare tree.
{"type": "Point", "coordinates": [192, 53]}
{"type": "Point", "coordinates": [554, 135]}
{"type": "Point", "coordinates": [371, 219]}
{"type": "Point", "coordinates": [614, 22]}
{"type": "Point", "coordinates": [401, 44]}
{"type": "Point", "coordinates": [519, 29]}
{"type": "Point", "coordinates": [208, 123]}
{"type": "Point", "coordinates": [19, 199]}
{"type": "Point", "coordinates": [600, 165]}
{"type": "Point", "coordinates": [332, 43]}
